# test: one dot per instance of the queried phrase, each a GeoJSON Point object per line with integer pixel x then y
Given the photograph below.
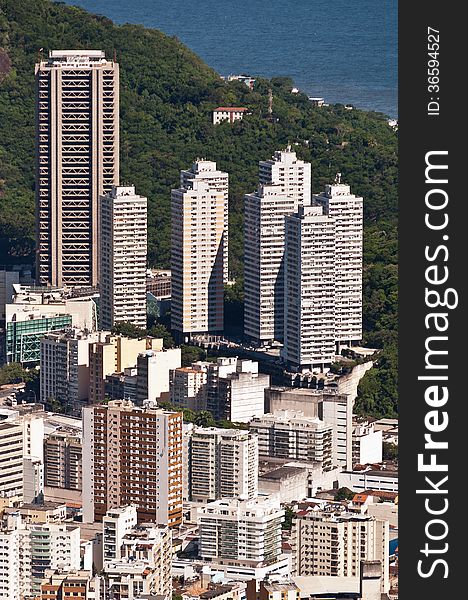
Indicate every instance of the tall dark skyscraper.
{"type": "Point", "coordinates": [77, 160]}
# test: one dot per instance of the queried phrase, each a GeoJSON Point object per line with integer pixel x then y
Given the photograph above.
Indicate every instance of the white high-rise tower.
{"type": "Point", "coordinates": [347, 211]}
{"type": "Point", "coordinates": [123, 257]}
{"type": "Point", "coordinates": [309, 290]}
{"type": "Point", "coordinates": [291, 174]}
{"type": "Point", "coordinates": [265, 211]}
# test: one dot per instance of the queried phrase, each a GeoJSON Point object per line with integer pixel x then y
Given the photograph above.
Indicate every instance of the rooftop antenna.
{"type": "Point", "coordinates": [40, 54]}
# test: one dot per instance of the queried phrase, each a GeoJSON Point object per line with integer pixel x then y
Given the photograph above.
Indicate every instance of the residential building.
{"type": "Point", "coordinates": [265, 211]}
{"type": "Point", "coordinates": [77, 159]}
{"type": "Point", "coordinates": [15, 564]}
{"type": "Point", "coordinates": [367, 444]}
{"type": "Point", "coordinates": [207, 171]}
{"type": "Point", "coordinates": [197, 259]}
{"type": "Point", "coordinates": [241, 395]}
{"type": "Point", "coordinates": [291, 174]}
{"type": "Point", "coordinates": [132, 455]}
{"type": "Point", "coordinates": [21, 456]}
{"type": "Point", "coordinates": [347, 211]}
{"type": "Point", "coordinates": [333, 408]}
{"type": "Point", "coordinates": [114, 354]}
{"type": "Point", "coordinates": [79, 585]}
{"type": "Point", "coordinates": [291, 435]}
{"type": "Point", "coordinates": [53, 546]}
{"type": "Point", "coordinates": [63, 454]}
{"type": "Point", "coordinates": [122, 386]}
{"type": "Point", "coordinates": [241, 532]}
{"type": "Point", "coordinates": [188, 387]}
{"type": "Point", "coordinates": [123, 250]}
{"type": "Point", "coordinates": [272, 589]}
{"type": "Point", "coordinates": [64, 362]}
{"type": "Point", "coordinates": [216, 371]}
{"type": "Point", "coordinates": [137, 559]}
{"type": "Point", "coordinates": [34, 312]}
{"type": "Point", "coordinates": [341, 540]}
{"type": "Point", "coordinates": [228, 113]}
{"type": "Point", "coordinates": [309, 290]}
{"type": "Point", "coordinates": [223, 463]}
{"type": "Point", "coordinates": [153, 373]}
{"type": "Point", "coordinates": [158, 283]}
{"type": "Point", "coordinates": [115, 524]}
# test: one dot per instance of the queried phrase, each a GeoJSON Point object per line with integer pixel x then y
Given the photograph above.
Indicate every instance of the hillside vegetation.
{"type": "Point", "coordinates": [167, 94]}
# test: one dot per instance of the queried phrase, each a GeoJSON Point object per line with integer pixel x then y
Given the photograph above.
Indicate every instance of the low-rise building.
{"type": "Point", "coordinates": [228, 113]}
{"type": "Point", "coordinates": [340, 539]}
{"type": "Point", "coordinates": [289, 434]}
{"type": "Point", "coordinates": [241, 532]}
{"type": "Point", "coordinates": [367, 444]}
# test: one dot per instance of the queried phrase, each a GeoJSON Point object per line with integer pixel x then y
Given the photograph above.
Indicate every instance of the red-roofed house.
{"type": "Point", "coordinates": [228, 113]}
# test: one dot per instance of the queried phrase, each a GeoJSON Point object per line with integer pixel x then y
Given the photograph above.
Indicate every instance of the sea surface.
{"type": "Point", "coordinates": [342, 50]}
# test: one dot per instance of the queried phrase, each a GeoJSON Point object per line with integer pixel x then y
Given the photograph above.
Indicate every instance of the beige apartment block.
{"type": "Point", "coordinates": [197, 259]}
{"type": "Point", "coordinates": [77, 159]}
{"type": "Point", "coordinates": [112, 355]}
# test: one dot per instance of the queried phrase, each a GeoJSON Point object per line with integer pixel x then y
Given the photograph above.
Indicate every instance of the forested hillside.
{"type": "Point", "coordinates": [167, 94]}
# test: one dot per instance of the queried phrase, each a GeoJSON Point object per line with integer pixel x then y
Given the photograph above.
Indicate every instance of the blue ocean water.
{"type": "Point", "coordinates": [342, 50]}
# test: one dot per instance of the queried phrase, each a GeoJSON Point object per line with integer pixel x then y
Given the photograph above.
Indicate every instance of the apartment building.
{"type": "Point", "coordinates": [79, 585]}
{"type": "Point", "coordinates": [21, 456]}
{"type": "Point", "coordinates": [333, 408]}
{"type": "Point", "coordinates": [207, 171]}
{"type": "Point", "coordinates": [289, 434]}
{"type": "Point", "coordinates": [15, 564]}
{"type": "Point", "coordinates": [188, 387]}
{"type": "Point", "coordinates": [290, 173]}
{"type": "Point", "coordinates": [241, 395]}
{"type": "Point", "coordinates": [265, 211]}
{"type": "Point", "coordinates": [64, 362]}
{"type": "Point", "coordinates": [137, 558]}
{"type": "Point", "coordinates": [113, 354]}
{"type": "Point", "coordinates": [309, 290]}
{"type": "Point", "coordinates": [223, 463]}
{"type": "Point", "coordinates": [197, 259]}
{"type": "Point", "coordinates": [153, 373]}
{"type": "Point", "coordinates": [132, 455]}
{"type": "Point", "coordinates": [123, 251]}
{"type": "Point", "coordinates": [241, 532]}
{"type": "Point", "coordinates": [330, 541]}
{"type": "Point", "coordinates": [77, 159]}
{"type": "Point", "coordinates": [63, 454]}
{"type": "Point", "coordinates": [347, 211]}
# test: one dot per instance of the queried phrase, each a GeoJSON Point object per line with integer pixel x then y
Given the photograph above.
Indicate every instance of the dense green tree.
{"type": "Point", "coordinates": [390, 451]}
{"type": "Point", "coordinates": [129, 330]}
{"type": "Point", "coordinates": [344, 493]}
{"type": "Point", "coordinates": [14, 373]}
{"type": "Point", "coordinates": [159, 331]}
{"type": "Point", "coordinates": [191, 354]}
